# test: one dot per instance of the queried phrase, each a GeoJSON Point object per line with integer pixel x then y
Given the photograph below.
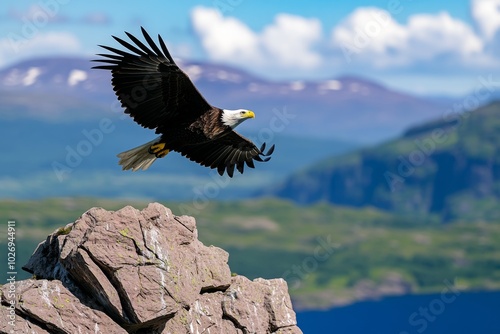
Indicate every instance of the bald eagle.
{"type": "Point", "coordinates": [159, 95]}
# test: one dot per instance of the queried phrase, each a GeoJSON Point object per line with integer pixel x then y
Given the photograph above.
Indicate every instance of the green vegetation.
{"type": "Point", "coordinates": [447, 167]}
{"type": "Point", "coordinates": [328, 254]}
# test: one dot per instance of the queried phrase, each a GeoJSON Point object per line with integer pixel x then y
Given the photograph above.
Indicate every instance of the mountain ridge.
{"type": "Point", "coordinates": [346, 107]}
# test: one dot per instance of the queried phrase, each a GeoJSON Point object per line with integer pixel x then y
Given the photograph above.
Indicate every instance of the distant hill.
{"type": "Point", "coordinates": [350, 108]}
{"type": "Point", "coordinates": [450, 167]}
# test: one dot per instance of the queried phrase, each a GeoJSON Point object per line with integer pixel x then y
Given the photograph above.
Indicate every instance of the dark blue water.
{"type": "Point", "coordinates": [449, 312]}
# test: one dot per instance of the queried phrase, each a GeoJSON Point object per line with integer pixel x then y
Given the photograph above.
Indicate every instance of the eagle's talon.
{"type": "Point", "coordinates": [162, 153]}
{"type": "Point", "coordinates": [158, 150]}
{"type": "Point", "coordinates": [265, 154]}
{"type": "Point", "coordinates": [270, 151]}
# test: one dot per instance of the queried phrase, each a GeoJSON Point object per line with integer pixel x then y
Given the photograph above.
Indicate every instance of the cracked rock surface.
{"type": "Point", "coordinates": [134, 271]}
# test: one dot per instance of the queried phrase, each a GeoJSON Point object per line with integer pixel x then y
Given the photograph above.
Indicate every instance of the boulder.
{"type": "Point", "coordinates": [134, 271]}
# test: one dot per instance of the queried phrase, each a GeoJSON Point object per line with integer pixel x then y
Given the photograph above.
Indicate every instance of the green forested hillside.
{"type": "Point", "coordinates": [450, 167]}
{"type": "Point", "coordinates": [328, 254]}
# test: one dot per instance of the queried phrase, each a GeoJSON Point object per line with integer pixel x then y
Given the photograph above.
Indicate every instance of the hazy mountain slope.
{"type": "Point", "coordinates": [451, 167]}
{"type": "Point", "coordinates": [44, 158]}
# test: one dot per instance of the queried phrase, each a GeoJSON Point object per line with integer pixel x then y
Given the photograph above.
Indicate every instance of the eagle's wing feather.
{"type": "Point", "coordinates": [149, 84]}
{"type": "Point", "coordinates": [225, 153]}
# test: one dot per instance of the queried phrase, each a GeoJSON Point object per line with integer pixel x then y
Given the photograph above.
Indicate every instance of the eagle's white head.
{"type": "Point", "coordinates": [233, 118]}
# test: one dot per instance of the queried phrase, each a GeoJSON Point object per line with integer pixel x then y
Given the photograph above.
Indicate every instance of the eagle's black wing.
{"type": "Point", "coordinates": [148, 83]}
{"type": "Point", "coordinates": [226, 153]}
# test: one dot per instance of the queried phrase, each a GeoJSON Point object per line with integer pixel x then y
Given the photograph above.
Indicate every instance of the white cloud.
{"type": "Point", "coordinates": [372, 35]}
{"type": "Point", "coordinates": [287, 42]}
{"type": "Point", "coordinates": [290, 40]}
{"type": "Point", "coordinates": [14, 47]}
{"type": "Point", "coordinates": [370, 31]}
{"type": "Point", "coordinates": [441, 34]}
{"type": "Point", "coordinates": [486, 13]}
{"type": "Point", "coordinates": [369, 36]}
{"type": "Point", "coordinates": [224, 39]}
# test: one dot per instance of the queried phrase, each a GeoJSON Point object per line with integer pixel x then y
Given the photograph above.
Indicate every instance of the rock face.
{"type": "Point", "coordinates": [134, 271]}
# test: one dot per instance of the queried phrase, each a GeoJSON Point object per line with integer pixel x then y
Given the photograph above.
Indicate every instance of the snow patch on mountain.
{"type": "Point", "coordinates": [76, 76]}
{"type": "Point", "coordinates": [18, 77]}
{"type": "Point", "coordinates": [31, 75]}
{"type": "Point", "coordinates": [297, 85]}
{"type": "Point", "coordinates": [330, 85]}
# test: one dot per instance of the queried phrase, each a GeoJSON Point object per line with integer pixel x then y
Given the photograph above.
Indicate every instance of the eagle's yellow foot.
{"type": "Point", "coordinates": [159, 150]}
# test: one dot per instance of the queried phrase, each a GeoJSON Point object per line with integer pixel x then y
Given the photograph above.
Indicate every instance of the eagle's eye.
{"type": "Point", "coordinates": [242, 113]}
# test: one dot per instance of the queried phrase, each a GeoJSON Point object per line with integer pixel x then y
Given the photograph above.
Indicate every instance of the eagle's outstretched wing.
{"type": "Point", "coordinates": [226, 153]}
{"type": "Point", "coordinates": [148, 83]}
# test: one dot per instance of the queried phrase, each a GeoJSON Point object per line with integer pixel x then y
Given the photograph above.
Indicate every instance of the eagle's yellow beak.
{"type": "Point", "coordinates": [249, 114]}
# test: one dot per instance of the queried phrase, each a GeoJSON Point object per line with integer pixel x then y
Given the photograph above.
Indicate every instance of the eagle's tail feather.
{"type": "Point", "coordinates": [138, 157]}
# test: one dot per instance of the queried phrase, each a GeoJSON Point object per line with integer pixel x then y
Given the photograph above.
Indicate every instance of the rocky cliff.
{"type": "Point", "coordinates": [134, 271]}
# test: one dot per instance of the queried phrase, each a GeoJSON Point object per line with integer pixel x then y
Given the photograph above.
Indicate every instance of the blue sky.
{"type": "Point", "coordinates": [420, 46]}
